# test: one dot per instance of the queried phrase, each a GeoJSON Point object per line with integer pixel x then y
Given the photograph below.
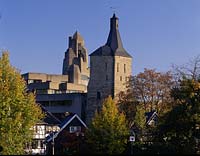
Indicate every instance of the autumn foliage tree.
{"type": "Point", "coordinates": [107, 133]}
{"type": "Point", "coordinates": [18, 110]}
{"type": "Point", "coordinates": [152, 89]}
{"type": "Point", "coordinates": [149, 88]}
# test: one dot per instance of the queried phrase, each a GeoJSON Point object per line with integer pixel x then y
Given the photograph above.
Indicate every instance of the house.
{"type": "Point", "coordinates": [40, 131]}
{"type": "Point", "coordinates": [145, 135]}
{"type": "Point", "coordinates": [68, 139]}
{"type": "Point", "coordinates": [151, 118]}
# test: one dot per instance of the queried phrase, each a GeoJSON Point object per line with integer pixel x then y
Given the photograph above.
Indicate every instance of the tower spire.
{"type": "Point", "coordinates": [114, 39]}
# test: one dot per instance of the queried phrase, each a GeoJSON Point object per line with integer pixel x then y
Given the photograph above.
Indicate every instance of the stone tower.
{"type": "Point", "coordinates": [75, 63]}
{"type": "Point", "coordinates": [110, 67]}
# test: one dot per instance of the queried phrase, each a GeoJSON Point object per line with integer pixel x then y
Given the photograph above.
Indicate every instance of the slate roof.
{"type": "Point", "coordinates": [68, 119]}
{"type": "Point", "coordinates": [62, 126]}
{"type": "Point", "coordinates": [49, 117]}
{"type": "Point", "coordinates": [151, 116]}
{"type": "Point", "coordinates": [113, 46]}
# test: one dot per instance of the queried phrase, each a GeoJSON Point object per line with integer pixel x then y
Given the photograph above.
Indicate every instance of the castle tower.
{"type": "Point", "coordinates": [110, 67]}
{"type": "Point", "coordinates": [75, 63]}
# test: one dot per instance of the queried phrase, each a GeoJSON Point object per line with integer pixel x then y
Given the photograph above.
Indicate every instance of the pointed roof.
{"type": "Point", "coordinates": [66, 122]}
{"type": "Point", "coordinates": [113, 46]}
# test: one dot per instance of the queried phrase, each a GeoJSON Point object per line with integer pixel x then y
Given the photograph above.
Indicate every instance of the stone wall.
{"type": "Point", "coordinates": [122, 71]}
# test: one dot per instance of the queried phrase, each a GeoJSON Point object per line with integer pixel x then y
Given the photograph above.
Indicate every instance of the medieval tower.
{"type": "Point", "coordinates": [110, 67]}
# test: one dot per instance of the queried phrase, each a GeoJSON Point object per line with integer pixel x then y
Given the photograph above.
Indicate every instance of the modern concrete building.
{"type": "Point", "coordinates": [110, 69]}
{"type": "Point", "coordinates": [66, 92]}
{"type": "Point", "coordinates": [75, 63]}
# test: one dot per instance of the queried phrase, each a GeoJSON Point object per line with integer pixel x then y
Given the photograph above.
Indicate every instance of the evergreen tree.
{"type": "Point", "coordinates": [108, 133]}
{"type": "Point", "coordinates": [18, 110]}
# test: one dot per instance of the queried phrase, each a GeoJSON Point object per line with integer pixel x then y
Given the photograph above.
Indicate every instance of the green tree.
{"type": "Point", "coordinates": [180, 128]}
{"type": "Point", "coordinates": [127, 104]}
{"type": "Point", "coordinates": [140, 119]}
{"type": "Point", "coordinates": [18, 110]}
{"type": "Point", "coordinates": [108, 133]}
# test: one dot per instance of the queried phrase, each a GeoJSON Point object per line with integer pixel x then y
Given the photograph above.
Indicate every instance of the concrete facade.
{"type": "Point", "coordinates": [66, 92]}
{"type": "Point", "coordinates": [110, 68]}
{"type": "Point", "coordinates": [75, 63]}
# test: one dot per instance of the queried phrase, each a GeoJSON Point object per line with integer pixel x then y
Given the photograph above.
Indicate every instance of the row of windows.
{"type": "Point", "coordinates": [118, 67]}
{"type": "Point", "coordinates": [120, 78]}
{"type": "Point", "coordinates": [53, 91]}
{"type": "Point", "coordinates": [56, 103]}
{"type": "Point", "coordinates": [106, 67]}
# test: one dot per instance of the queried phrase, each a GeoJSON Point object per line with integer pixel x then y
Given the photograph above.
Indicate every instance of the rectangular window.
{"type": "Point", "coordinates": [73, 129]}
{"type": "Point", "coordinates": [98, 95]}
{"type": "Point", "coordinates": [106, 66]}
{"type": "Point", "coordinates": [124, 68]}
{"type": "Point", "coordinates": [117, 67]}
{"type": "Point", "coordinates": [106, 77]}
{"type": "Point", "coordinates": [120, 78]}
{"type": "Point", "coordinates": [30, 81]}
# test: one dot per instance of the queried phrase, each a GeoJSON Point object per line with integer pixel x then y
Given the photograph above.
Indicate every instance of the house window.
{"type": "Point", "coordinates": [30, 81]}
{"type": "Point", "coordinates": [98, 95]}
{"type": "Point", "coordinates": [117, 67]}
{"type": "Point", "coordinates": [120, 78]}
{"type": "Point", "coordinates": [124, 68]}
{"type": "Point", "coordinates": [73, 129]}
{"type": "Point", "coordinates": [34, 144]}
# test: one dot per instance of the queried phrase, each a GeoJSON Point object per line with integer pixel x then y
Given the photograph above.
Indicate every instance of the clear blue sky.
{"type": "Point", "coordinates": [156, 33]}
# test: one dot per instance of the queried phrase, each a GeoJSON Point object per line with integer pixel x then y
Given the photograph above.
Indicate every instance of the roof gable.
{"type": "Point", "coordinates": [151, 116]}
{"type": "Point", "coordinates": [65, 123]}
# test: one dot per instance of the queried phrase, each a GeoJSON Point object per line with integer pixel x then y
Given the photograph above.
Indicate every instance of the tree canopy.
{"type": "Point", "coordinates": [18, 110]}
{"type": "Point", "coordinates": [180, 127]}
{"type": "Point", "coordinates": [108, 132]}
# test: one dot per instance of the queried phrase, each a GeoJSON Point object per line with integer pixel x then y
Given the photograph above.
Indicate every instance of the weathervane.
{"type": "Point", "coordinates": [113, 9]}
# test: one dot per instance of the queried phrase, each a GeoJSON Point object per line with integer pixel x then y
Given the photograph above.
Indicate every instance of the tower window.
{"type": "Point", "coordinates": [120, 78]}
{"type": "Point", "coordinates": [106, 66]}
{"type": "Point", "coordinates": [98, 95]}
{"type": "Point", "coordinates": [117, 67]}
{"type": "Point", "coordinates": [106, 77]}
{"type": "Point", "coordinates": [124, 68]}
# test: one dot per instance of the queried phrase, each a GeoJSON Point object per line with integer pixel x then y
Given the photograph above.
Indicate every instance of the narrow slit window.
{"type": "Point", "coordinates": [98, 95]}
{"type": "Point", "coordinates": [124, 68]}
{"type": "Point", "coordinates": [117, 67]}
{"type": "Point", "coordinates": [106, 66]}
{"type": "Point", "coordinates": [120, 78]}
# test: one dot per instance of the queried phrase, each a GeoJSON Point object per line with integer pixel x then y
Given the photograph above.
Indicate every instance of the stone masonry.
{"type": "Point", "coordinates": [110, 67]}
